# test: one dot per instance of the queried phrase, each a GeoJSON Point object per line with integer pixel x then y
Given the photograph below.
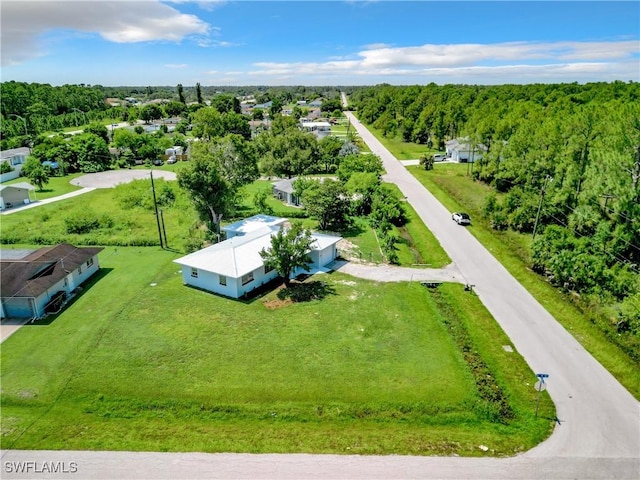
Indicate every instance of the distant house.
{"type": "Point", "coordinates": [15, 158]}
{"type": "Point", "coordinates": [234, 268]}
{"type": "Point", "coordinates": [460, 150]}
{"type": "Point", "coordinates": [16, 194]}
{"type": "Point", "coordinates": [319, 129]}
{"type": "Point", "coordinates": [263, 106]}
{"type": "Point", "coordinates": [316, 103]}
{"type": "Point", "coordinates": [283, 191]}
{"type": "Point", "coordinates": [252, 224]}
{"type": "Point", "coordinates": [34, 282]}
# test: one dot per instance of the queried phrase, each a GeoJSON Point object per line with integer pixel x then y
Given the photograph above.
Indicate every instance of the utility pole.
{"type": "Point", "coordinates": [155, 206]}
{"type": "Point", "coordinates": [547, 179]}
{"type": "Point", "coordinates": [164, 231]}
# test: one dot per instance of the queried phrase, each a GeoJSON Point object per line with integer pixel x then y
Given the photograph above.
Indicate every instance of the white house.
{"type": "Point", "coordinates": [234, 267]}
{"type": "Point", "coordinates": [252, 224]}
{"type": "Point", "coordinates": [320, 129]}
{"type": "Point", "coordinates": [36, 282]}
{"type": "Point", "coordinates": [460, 150]}
{"type": "Point", "coordinates": [15, 158]}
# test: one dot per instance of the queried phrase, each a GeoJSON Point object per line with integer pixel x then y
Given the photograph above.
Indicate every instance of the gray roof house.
{"type": "Point", "coordinates": [35, 282]}
{"type": "Point", "coordinates": [15, 157]}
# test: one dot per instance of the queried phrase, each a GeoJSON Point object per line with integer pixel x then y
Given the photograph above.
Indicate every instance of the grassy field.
{"type": "Point", "coordinates": [141, 362]}
{"type": "Point", "coordinates": [56, 186]}
{"type": "Point", "coordinates": [124, 216]}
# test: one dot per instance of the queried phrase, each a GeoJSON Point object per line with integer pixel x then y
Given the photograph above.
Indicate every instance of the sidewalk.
{"type": "Point", "coordinates": [37, 203]}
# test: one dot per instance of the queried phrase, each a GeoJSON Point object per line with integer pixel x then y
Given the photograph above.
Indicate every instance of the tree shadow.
{"type": "Point", "coordinates": [306, 292]}
{"type": "Point", "coordinates": [353, 231]}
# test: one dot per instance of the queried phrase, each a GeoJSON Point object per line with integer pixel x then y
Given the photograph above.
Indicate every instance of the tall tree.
{"type": "Point", "coordinates": [199, 93]}
{"type": "Point", "coordinates": [36, 172]}
{"type": "Point", "coordinates": [181, 94]}
{"type": "Point", "coordinates": [216, 171]}
{"type": "Point", "coordinates": [289, 250]}
{"type": "Point", "coordinates": [329, 203]}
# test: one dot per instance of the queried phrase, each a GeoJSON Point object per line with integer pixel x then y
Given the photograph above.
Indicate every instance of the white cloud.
{"type": "Point", "coordinates": [134, 21]}
{"type": "Point", "coordinates": [176, 65]}
{"type": "Point", "coordinates": [519, 62]}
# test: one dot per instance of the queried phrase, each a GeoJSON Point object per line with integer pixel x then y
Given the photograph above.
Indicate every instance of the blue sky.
{"type": "Point", "coordinates": [152, 42]}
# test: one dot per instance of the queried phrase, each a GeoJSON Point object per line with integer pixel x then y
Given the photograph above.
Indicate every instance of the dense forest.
{"type": "Point", "coordinates": [561, 159]}
{"type": "Point", "coordinates": [29, 109]}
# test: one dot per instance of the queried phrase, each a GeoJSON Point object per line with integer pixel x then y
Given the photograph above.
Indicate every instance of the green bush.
{"type": "Point", "coordinates": [86, 221]}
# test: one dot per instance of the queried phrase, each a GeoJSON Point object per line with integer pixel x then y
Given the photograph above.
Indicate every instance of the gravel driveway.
{"type": "Point", "coordinates": [112, 178]}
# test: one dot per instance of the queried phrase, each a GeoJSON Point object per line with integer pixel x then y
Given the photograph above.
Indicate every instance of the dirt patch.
{"type": "Point", "coordinates": [277, 303]}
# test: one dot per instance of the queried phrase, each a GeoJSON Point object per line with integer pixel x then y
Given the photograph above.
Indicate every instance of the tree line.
{"type": "Point", "coordinates": [563, 161]}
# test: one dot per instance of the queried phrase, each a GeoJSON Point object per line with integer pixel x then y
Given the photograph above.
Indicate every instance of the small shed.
{"type": "Point", "coordinates": [16, 194]}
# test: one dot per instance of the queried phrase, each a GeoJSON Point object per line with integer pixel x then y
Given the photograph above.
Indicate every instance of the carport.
{"type": "Point", "coordinates": [16, 194]}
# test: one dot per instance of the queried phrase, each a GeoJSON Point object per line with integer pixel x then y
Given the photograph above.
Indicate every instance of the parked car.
{"type": "Point", "coordinates": [461, 218]}
{"type": "Point", "coordinates": [438, 157]}
{"type": "Point", "coordinates": [157, 162]}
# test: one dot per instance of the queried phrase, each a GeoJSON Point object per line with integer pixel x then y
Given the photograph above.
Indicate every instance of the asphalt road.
{"type": "Point", "coordinates": [598, 430]}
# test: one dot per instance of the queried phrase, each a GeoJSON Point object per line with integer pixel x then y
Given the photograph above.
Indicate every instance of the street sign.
{"type": "Point", "coordinates": [540, 386]}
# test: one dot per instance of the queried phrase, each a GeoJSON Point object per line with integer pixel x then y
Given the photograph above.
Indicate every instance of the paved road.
{"type": "Point", "coordinates": [598, 436]}
{"type": "Point", "coordinates": [599, 418]}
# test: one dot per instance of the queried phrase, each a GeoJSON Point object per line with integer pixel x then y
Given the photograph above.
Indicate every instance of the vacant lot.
{"type": "Point", "coordinates": [140, 362]}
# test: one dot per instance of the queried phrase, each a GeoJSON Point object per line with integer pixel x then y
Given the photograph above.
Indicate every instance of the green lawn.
{"type": "Point", "coordinates": [141, 362]}
{"type": "Point", "coordinates": [56, 186]}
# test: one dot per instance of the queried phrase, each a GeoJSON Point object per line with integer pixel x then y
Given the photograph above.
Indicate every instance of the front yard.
{"type": "Point", "coordinates": [141, 362]}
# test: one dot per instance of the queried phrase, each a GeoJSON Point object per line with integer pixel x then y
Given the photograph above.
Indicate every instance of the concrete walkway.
{"type": "Point", "coordinates": [38, 203]}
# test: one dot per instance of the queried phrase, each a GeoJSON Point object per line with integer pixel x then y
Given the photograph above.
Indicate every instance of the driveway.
{"type": "Point", "coordinates": [111, 178]}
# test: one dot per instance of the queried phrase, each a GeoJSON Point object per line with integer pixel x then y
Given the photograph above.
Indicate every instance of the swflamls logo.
{"type": "Point", "coordinates": [40, 467]}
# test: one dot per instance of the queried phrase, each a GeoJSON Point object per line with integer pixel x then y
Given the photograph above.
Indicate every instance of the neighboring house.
{"type": "Point", "coordinates": [320, 129]}
{"type": "Point", "coordinates": [264, 106]}
{"type": "Point", "coordinates": [16, 194]}
{"type": "Point", "coordinates": [461, 151]}
{"type": "Point", "coordinates": [252, 224]}
{"type": "Point", "coordinates": [15, 157]}
{"type": "Point", "coordinates": [316, 103]}
{"type": "Point", "coordinates": [283, 191]}
{"type": "Point", "coordinates": [34, 282]}
{"type": "Point", "coordinates": [234, 268]}
{"type": "Point", "coordinates": [287, 112]}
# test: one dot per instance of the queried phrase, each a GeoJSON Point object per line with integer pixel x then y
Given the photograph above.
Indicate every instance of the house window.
{"type": "Point", "coordinates": [80, 269]}
{"type": "Point", "coordinates": [89, 262]}
{"type": "Point", "coordinates": [194, 272]}
{"type": "Point", "coordinates": [267, 269]}
{"type": "Point", "coordinates": [223, 280]}
{"type": "Point", "coordinates": [247, 278]}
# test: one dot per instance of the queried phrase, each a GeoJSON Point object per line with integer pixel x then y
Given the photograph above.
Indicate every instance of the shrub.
{"type": "Point", "coordinates": [86, 221]}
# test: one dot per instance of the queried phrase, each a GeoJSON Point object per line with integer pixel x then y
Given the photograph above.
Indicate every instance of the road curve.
{"type": "Point", "coordinates": [598, 435]}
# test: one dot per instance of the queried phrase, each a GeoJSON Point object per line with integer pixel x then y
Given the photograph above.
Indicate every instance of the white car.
{"type": "Point", "coordinates": [461, 218]}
